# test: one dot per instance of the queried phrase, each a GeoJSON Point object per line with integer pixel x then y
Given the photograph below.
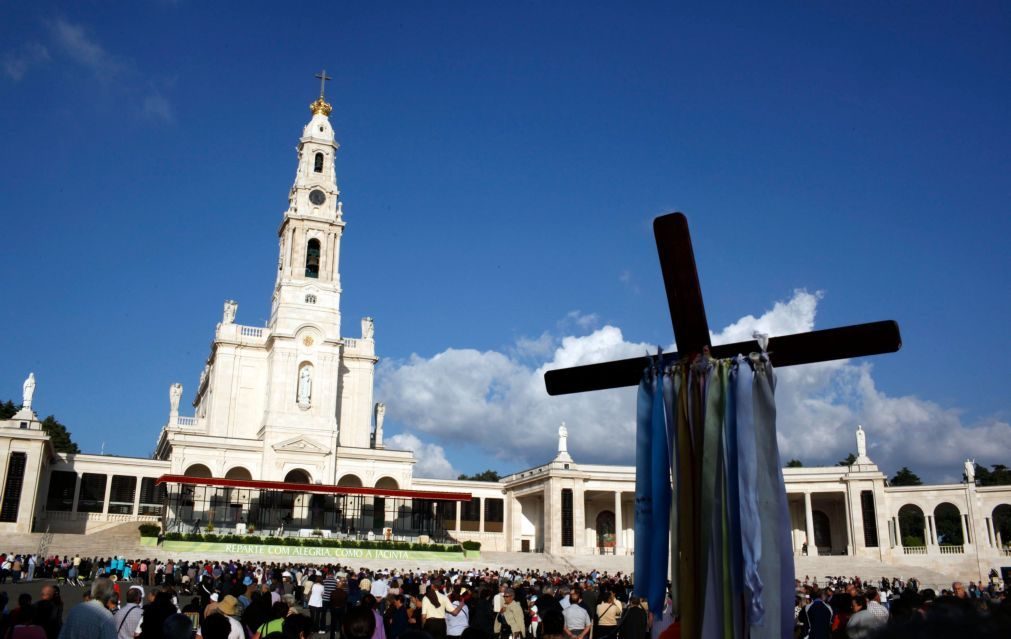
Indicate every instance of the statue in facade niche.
{"type": "Point", "coordinates": [175, 393]}
{"type": "Point", "coordinates": [28, 391]}
{"type": "Point", "coordinates": [305, 386]}
{"type": "Point", "coordinates": [231, 308]}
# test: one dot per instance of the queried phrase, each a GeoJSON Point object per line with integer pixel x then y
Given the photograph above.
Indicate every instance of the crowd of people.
{"type": "Point", "coordinates": [853, 608]}
{"type": "Point", "coordinates": [242, 600]}
{"type": "Point", "coordinates": [256, 600]}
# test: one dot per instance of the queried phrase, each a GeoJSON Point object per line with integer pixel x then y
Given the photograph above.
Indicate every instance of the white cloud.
{"type": "Point", "coordinates": [431, 458]}
{"type": "Point", "coordinates": [17, 63]}
{"type": "Point", "coordinates": [157, 107]}
{"type": "Point", "coordinates": [497, 403]}
{"type": "Point", "coordinates": [84, 49]}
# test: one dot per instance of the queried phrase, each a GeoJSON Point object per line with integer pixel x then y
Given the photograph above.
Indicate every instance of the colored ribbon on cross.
{"type": "Point", "coordinates": [710, 507]}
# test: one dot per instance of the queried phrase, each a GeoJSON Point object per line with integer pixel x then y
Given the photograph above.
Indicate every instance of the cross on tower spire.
{"type": "Point", "coordinates": [323, 77]}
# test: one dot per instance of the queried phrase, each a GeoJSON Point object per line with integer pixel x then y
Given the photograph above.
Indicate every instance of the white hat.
{"type": "Point", "coordinates": [214, 596]}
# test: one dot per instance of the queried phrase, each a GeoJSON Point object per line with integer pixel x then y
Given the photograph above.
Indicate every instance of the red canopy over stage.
{"type": "Point", "coordinates": [322, 489]}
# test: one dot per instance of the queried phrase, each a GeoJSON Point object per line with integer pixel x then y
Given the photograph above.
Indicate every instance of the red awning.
{"type": "Point", "coordinates": [313, 488]}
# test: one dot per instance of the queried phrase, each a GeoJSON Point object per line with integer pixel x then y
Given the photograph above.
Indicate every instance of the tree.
{"type": "Point", "coordinates": [999, 476]}
{"type": "Point", "coordinates": [487, 475]}
{"type": "Point", "coordinates": [849, 461]}
{"type": "Point", "coordinates": [794, 463]}
{"type": "Point", "coordinates": [8, 409]}
{"type": "Point", "coordinates": [906, 477]}
{"type": "Point", "coordinates": [59, 436]}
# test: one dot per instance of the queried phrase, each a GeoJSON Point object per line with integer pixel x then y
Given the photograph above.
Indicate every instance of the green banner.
{"type": "Point", "coordinates": [307, 552]}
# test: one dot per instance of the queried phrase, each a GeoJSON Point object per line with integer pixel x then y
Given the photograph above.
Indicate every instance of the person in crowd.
{"type": "Point", "coordinates": [359, 623]}
{"type": "Point", "coordinates": [177, 626]}
{"type": "Point", "coordinates": [458, 617]}
{"type": "Point", "coordinates": [608, 613]}
{"type": "Point", "coordinates": [509, 622]}
{"type": "Point", "coordinates": [127, 618]}
{"type": "Point", "coordinates": [215, 626]}
{"type": "Point", "coordinates": [275, 622]}
{"type": "Point", "coordinates": [434, 606]}
{"type": "Point", "coordinates": [395, 617]}
{"type": "Point", "coordinates": [91, 619]}
{"type": "Point", "coordinates": [577, 620]}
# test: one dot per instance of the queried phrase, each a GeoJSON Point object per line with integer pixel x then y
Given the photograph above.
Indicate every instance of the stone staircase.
{"type": "Point", "coordinates": [872, 570]}
{"type": "Point", "coordinates": [121, 539]}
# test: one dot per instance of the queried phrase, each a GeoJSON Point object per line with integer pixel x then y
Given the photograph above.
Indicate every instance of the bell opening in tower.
{"type": "Point", "coordinates": [312, 259]}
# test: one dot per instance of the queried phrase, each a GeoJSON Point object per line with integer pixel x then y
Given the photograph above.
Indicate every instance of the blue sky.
{"type": "Point", "coordinates": [500, 166]}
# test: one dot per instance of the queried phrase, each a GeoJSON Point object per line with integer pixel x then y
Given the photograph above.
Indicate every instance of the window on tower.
{"type": "Point", "coordinates": [318, 166]}
{"type": "Point", "coordinates": [312, 259]}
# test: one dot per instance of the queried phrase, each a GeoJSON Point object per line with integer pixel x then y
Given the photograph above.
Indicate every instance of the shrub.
{"type": "Point", "coordinates": [149, 530]}
{"type": "Point", "coordinates": [173, 536]}
{"type": "Point", "coordinates": [472, 545]}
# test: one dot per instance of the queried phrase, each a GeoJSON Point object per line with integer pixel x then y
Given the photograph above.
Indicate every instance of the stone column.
{"type": "Point", "coordinates": [929, 534]}
{"type": "Point", "coordinates": [552, 519]}
{"type": "Point", "coordinates": [619, 542]}
{"type": "Point", "coordinates": [898, 533]}
{"type": "Point", "coordinates": [989, 532]}
{"type": "Point", "coordinates": [108, 492]}
{"type": "Point", "coordinates": [459, 507]}
{"type": "Point", "coordinates": [965, 535]}
{"type": "Point", "coordinates": [136, 496]}
{"type": "Point", "coordinates": [480, 516]}
{"type": "Point", "coordinates": [579, 520]}
{"type": "Point", "coordinates": [851, 524]}
{"type": "Point", "coordinates": [77, 491]}
{"type": "Point", "coordinates": [812, 548]}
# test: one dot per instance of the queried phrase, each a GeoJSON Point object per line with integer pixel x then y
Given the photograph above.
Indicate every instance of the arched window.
{"type": "Point", "coordinates": [318, 163]}
{"type": "Point", "coordinates": [312, 259]}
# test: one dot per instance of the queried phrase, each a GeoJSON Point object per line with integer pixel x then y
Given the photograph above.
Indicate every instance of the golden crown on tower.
{"type": "Point", "coordinates": [320, 106]}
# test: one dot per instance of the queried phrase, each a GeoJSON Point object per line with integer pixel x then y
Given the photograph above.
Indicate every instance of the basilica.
{"type": "Point", "coordinates": [286, 438]}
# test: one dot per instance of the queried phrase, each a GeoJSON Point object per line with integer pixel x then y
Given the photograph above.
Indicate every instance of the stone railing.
{"type": "Point", "coordinates": [952, 550]}
{"type": "Point", "coordinates": [250, 331]}
{"type": "Point", "coordinates": [914, 550]}
{"type": "Point", "coordinates": [350, 343]}
{"type": "Point", "coordinates": [186, 421]}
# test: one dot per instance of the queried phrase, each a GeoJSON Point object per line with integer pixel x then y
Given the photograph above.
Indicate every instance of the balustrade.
{"type": "Point", "coordinates": [952, 550]}
{"type": "Point", "coordinates": [914, 550]}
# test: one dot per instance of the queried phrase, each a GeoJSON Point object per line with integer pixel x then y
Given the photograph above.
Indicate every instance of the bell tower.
{"type": "Point", "coordinates": [308, 286]}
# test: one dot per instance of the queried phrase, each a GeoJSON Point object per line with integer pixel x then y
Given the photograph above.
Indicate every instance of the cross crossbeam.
{"type": "Point", "coordinates": [323, 77]}
{"type": "Point", "coordinates": [691, 329]}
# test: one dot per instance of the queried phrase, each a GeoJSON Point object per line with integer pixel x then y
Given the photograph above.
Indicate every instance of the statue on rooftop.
{"type": "Point", "coordinates": [970, 471]}
{"type": "Point", "coordinates": [175, 393]}
{"type": "Point", "coordinates": [231, 308]}
{"type": "Point", "coordinates": [27, 391]}
{"type": "Point", "coordinates": [368, 328]}
{"type": "Point", "coordinates": [861, 443]}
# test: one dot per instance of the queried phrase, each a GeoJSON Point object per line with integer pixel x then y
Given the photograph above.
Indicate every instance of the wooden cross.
{"type": "Point", "coordinates": [691, 329]}
{"type": "Point", "coordinates": [323, 77]}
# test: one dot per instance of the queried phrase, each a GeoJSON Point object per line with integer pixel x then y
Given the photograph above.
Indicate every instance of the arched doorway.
{"type": "Point", "coordinates": [911, 526]}
{"type": "Point", "coordinates": [198, 470]}
{"type": "Point", "coordinates": [238, 472]}
{"type": "Point", "coordinates": [236, 499]}
{"type": "Point", "coordinates": [605, 529]}
{"type": "Point", "coordinates": [822, 531]}
{"type": "Point", "coordinates": [948, 525]}
{"type": "Point", "coordinates": [350, 480]}
{"type": "Point", "coordinates": [1001, 518]}
{"type": "Point", "coordinates": [295, 506]}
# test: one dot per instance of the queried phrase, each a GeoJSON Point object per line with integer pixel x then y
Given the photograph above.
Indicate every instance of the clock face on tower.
{"type": "Point", "coordinates": [317, 197]}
